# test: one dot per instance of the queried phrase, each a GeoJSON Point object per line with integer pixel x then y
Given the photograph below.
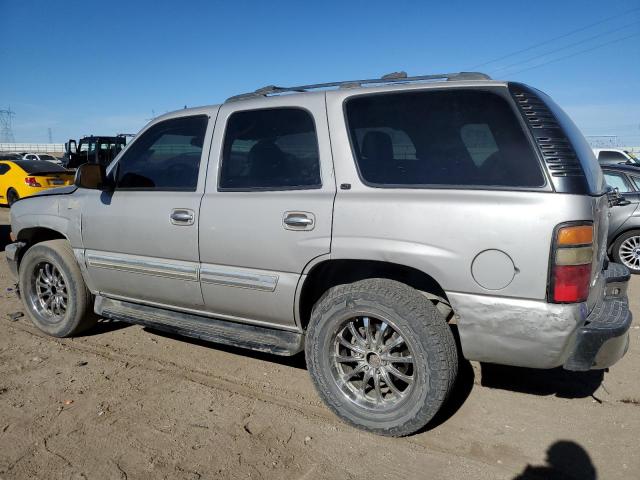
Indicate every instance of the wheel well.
{"type": "Point", "coordinates": [330, 273]}
{"type": "Point", "coordinates": [615, 239]}
{"type": "Point", "coordinates": [38, 234]}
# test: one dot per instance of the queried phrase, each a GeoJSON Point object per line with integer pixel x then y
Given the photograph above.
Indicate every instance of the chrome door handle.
{"type": "Point", "coordinates": [182, 216]}
{"type": "Point", "coordinates": [298, 220]}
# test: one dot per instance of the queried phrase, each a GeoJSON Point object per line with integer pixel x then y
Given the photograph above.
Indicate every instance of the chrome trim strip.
{"type": "Point", "coordinates": [143, 266]}
{"type": "Point", "coordinates": [233, 277]}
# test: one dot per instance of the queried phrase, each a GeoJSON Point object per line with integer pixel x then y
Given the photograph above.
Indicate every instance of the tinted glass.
{"type": "Point", "coordinates": [165, 157]}
{"type": "Point", "coordinates": [107, 151]}
{"type": "Point", "coordinates": [616, 181]}
{"type": "Point", "coordinates": [270, 149]}
{"type": "Point", "coordinates": [38, 166]}
{"type": "Point", "coordinates": [4, 168]}
{"type": "Point", "coordinates": [636, 182]}
{"type": "Point", "coordinates": [46, 157]}
{"type": "Point", "coordinates": [455, 137]}
{"type": "Point", "coordinates": [608, 155]}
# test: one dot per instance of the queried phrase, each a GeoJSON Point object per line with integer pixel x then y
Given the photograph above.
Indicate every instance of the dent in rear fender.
{"type": "Point", "coordinates": [510, 331]}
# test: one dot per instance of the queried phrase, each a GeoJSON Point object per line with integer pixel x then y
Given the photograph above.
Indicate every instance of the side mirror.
{"type": "Point", "coordinates": [92, 176]}
{"type": "Point", "coordinates": [615, 199]}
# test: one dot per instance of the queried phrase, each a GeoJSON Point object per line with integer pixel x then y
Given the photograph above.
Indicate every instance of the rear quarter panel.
{"type": "Point", "coordinates": [441, 230]}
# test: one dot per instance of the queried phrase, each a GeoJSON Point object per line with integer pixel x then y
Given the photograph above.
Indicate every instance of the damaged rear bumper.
{"type": "Point", "coordinates": [537, 334]}
{"type": "Point", "coordinates": [604, 337]}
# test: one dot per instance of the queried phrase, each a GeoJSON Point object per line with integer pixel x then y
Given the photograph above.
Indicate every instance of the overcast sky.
{"type": "Point", "coordinates": [82, 67]}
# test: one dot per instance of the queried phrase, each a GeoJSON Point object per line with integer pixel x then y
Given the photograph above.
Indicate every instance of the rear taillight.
{"type": "Point", "coordinates": [32, 182]}
{"type": "Point", "coordinates": [571, 261]}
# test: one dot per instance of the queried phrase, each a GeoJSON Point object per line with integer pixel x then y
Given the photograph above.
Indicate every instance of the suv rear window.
{"type": "Point", "coordinates": [454, 138]}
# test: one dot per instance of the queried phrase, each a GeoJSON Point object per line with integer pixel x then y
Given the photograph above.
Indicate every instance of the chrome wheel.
{"type": "Point", "coordinates": [372, 363]}
{"type": "Point", "coordinates": [629, 252]}
{"type": "Point", "coordinates": [49, 294]}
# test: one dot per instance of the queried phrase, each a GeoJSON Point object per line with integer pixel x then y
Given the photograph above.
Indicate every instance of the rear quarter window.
{"type": "Point", "coordinates": [455, 137]}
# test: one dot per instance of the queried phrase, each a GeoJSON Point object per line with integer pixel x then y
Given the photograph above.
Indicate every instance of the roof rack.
{"type": "Point", "coordinates": [395, 77]}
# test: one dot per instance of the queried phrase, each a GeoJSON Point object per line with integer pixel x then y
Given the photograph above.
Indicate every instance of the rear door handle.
{"type": "Point", "coordinates": [298, 220]}
{"type": "Point", "coordinates": [182, 216]}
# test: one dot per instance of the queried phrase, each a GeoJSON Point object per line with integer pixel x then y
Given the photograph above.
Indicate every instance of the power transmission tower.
{"type": "Point", "coordinates": [50, 135]}
{"type": "Point", "coordinates": [6, 132]}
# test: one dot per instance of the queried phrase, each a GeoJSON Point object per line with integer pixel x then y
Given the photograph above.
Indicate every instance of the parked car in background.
{"type": "Point", "coordinates": [353, 220]}
{"type": "Point", "coordinates": [624, 223]}
{"type": "Point", "coordinates": [23, 178]}
{"type": "Point", "coordinates": [42, 157]}
{"type": "Point", "coordinates": [615, 156]}
{"type": "Point", "coordinates": [11, 156]}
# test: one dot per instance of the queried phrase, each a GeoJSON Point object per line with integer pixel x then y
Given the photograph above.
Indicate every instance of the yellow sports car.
{"type": "Point", "coordinates": [23, 178]}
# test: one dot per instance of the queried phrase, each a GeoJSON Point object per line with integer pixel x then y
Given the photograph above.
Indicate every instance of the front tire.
{"type": "Point", "coordinates": [626, 250]}
{"type": "Point", "coordinates": [381, 356]}
{"type": "Point", "coordinates": [53, 290]}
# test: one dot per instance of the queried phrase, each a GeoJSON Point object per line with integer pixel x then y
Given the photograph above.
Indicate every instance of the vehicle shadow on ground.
{"type": "Point", "coordinates": [4, 236]}
{"type": "Point", "coordinates": [565, 460]}
{"type": "Point", "coordinates": [105, 325]}
{"type": "Point", "coordinates": [557, 381]}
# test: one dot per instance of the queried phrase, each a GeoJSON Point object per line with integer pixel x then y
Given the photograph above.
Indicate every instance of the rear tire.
{"type": "Point", "coordinates": [53, 290]}
{"type": "Point", "coordinates": [389, 391]}
{"type": "Point", "coordinates": [626, 250]}
{"type": "Point", "coordinates": [12, 197]}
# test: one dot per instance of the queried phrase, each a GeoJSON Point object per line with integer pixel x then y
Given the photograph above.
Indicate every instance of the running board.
{"type": "Point", "coordinates": [262, 339]}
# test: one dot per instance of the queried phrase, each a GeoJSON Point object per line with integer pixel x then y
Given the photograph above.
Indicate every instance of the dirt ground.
{"type": "Point", "coordinates": [125, 402]}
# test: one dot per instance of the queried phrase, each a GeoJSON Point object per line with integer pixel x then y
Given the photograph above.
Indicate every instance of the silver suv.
{"type": "Point", "coordinates": [363, 222]}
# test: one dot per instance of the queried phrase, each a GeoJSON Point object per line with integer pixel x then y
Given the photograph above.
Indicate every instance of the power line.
{"type": "Point", "coordinates": [579, 42]}
{"type": "Point", "coordinates": [546, 42]}
{"type": "Point", "coordinates": [579, 52]}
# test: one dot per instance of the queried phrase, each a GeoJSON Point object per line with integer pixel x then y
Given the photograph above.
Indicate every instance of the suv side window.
{"type": "Point", "coordinates": [165, 157]}
{"type": "Point", "coordinates": [615, 180]}
{"type": "Point", "coordinates": [270, 149]}
{"type": "Point", "coordinates": [460, 138]}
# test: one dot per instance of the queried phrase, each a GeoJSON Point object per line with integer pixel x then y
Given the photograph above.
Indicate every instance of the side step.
{"type": "Point", "coordinates": [262, 339]}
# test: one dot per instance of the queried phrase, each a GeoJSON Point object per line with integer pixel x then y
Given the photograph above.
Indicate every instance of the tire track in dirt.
{"type": "Point", "coordinates": [254, 391]}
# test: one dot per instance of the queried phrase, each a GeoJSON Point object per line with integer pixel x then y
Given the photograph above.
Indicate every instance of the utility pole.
{"type": "Point", "coordinates": [50, 135]}
{"type": "Point", "coordinates": [6, 131]}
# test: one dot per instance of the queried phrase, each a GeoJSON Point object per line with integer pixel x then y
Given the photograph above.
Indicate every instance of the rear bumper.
{"type": "Point", "coordinates": [537, 334]}
{"type": "Point", "coordinates": [604, 337]}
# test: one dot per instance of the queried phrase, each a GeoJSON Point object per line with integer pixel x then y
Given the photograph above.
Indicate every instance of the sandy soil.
{"type": "Point", "coordinates": [124, 402]}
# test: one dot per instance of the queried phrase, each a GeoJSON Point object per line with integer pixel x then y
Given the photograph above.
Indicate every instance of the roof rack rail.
{"type": "Point", "coordinates": [395, 77]}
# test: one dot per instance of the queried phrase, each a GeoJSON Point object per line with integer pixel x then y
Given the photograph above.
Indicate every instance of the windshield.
{"type": "Point", "coordinates": [46, 157]}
